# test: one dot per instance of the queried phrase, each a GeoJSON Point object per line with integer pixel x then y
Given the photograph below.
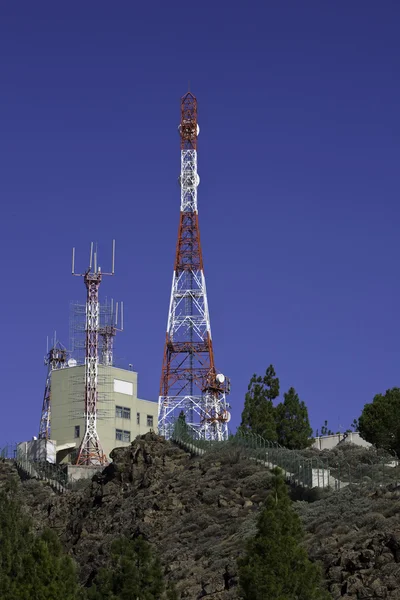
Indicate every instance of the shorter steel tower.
{"type": "Point", "coordinates": [109, 330]}
{"type": "Point", "coordinates": [91, 451]}
{"type": "Point", "coordinates": [56, 358]}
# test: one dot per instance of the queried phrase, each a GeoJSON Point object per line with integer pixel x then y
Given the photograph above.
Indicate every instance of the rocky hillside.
{"type": "Point", "coordinates": [198, 512]}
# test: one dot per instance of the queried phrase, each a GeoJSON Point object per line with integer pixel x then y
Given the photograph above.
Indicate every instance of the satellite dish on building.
{"type": "Point", "coordinates": [220, 378]}
{"type": "Point", "coordinates": [72, 362]}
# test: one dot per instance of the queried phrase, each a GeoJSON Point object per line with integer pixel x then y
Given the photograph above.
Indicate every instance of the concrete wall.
{"type": "Point", "coordinates": [37, 451]}
{"type": "Point", "coordinates": [77, 472]}
{"type": "Point", "coordinates": [116, 388]}
{"type": "Point", "coordinates": [327, 442]}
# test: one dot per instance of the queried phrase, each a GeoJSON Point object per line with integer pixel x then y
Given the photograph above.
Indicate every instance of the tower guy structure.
{"type": "Point", "coordinates": [90, 451]}
{"type": "Point", "coordinates": [190, 382]}
{"type": "Point", "coordinates": [56, 358]}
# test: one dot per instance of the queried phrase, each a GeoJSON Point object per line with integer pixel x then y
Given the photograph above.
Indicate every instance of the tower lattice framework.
{"type": "Point", "coordinates": [56, 358]}
{"type": "Point", "coordinates": [90, 450]}
{"type": "Point", "coordinates": [108, 331]}
{"type": "Point", "coordinates": [190, 382]}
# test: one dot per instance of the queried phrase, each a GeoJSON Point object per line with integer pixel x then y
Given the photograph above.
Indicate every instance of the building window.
{"type": "Point", "coordinates": [149, 421]}
{"type": "Point", "coordinates": [138, 418]}
{"type": "Point", "coordinates": [122, 412]}
{"type": "Point", "coordinates": [77, 431]}
{"type": "Point", "coordinates": [122, 436]}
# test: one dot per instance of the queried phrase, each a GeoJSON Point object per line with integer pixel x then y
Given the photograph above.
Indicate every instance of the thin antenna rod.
{"type": "Point", "coordinates": [91, 256]}
{"type": "Point", "coordinates": [113, 257]}
{"type": "Point", "coordinates": [116, 313]}
{"type": "Point", "coordinates": [122, 316]}
{"type": "Point", "coordinates": [95, 262]}
{"type": "Point", "coordinates": [73, 261]}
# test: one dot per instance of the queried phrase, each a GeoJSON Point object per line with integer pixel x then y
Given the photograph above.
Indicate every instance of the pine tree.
{"type": "Point", "coordinates": [258, 413]}
{"type": "Point", "coordinates": [32, 567]}
{"type": "Point", "coordinates": [48, 574]}
{"type": "Point", "coordinates": [292, 423]}
{"type": "Point", "coordinates": [135, 572]}
{"type": "Point", "coordinates": [275, 565]}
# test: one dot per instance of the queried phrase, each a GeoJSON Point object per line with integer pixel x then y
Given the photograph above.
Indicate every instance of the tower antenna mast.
{"type": "Point", "coordinates": [190, 382]}
{"type": "Point", "coordinates": [56, 358]}
{"type": "Point", "coordinates": [90, 451]}
{"type": "Point", "coordinates": [114, 321]}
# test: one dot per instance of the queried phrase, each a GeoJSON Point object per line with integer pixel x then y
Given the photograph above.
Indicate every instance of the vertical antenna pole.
{"type": "Point", "coordinates": [90, 449]}
{"type": "Point", "coordinates": [73, 261]}
{"type": "Point", "coordinates": [113, 257]}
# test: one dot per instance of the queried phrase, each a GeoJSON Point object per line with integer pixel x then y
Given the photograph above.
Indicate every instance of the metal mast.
{"type": "Point", "coordinates": [189, 379]}
{"type": "Point", "coordinates": [56, 358]}
{"type": "Point", "coordinates": [108, 332]}
{"type": "Point", "coordinates": [90, 451]}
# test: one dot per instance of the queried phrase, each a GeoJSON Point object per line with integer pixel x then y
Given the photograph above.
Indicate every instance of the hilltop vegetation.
{"type": "Point", "coordinates": [199, 517]}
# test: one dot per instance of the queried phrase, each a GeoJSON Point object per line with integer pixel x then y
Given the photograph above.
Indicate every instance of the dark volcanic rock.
{"type": "Point", "coordinates": [198, 513]}
{"type": "Point", "coordinates": [356, 535]}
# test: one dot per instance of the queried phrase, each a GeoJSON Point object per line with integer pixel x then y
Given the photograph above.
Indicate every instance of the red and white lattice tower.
{"type": "Point", "coordinates": [90, 451]}
{"type": "Point", "coordinates": [56, 358]}
{"type": "Point", "coordinates": [189, 379]}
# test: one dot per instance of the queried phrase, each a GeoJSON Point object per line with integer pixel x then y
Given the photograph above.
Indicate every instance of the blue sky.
{"type": "Point", "coordinates": [298, 201]}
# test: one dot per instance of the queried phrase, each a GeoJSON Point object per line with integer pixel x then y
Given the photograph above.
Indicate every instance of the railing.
{"type": "Point", "coordinates": [53, 474]}
{"type": "Point", "coordinates": [9, 450]}
{"type": "Point", "coordinates": [44, 471]}
{"type": "Point", "coordinates": [334, 473]}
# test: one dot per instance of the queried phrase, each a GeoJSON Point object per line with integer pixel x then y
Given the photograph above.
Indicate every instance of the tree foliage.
{"type": "Point", "coordinates": [325, 430]}
{"type": "Point", "coordinates": [259, 414]}
{"type": "Point", "coordinates": [379, 422]}
{"type": "Point", "coordinates": [292, 423]}
{"type": "Point", "coordinates": [275, 565]}
{"type": "Point", "coordinates": [135, 572]}
{"type": "Point", "coordinates": [286, 423]}
{"type": "Point", "coordinates": [32, 567]}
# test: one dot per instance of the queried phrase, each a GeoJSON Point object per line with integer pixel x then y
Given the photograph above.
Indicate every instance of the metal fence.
{"type": "Point", "coordinates": [53, 474]}
{"type": "Point", "coordinates": [331, 469]}
{"type": "Point", "coordinates": [334, 472]}
{"type": "Point", "coordinates": [9, 450]}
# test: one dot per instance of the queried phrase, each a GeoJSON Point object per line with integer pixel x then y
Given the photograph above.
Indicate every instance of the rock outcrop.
{"type": "Point", "coordinates": [198, 513]}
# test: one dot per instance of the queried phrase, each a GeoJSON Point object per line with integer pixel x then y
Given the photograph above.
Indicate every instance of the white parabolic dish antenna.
{"type": "Point", "coordinates": [72, 362]}
{"type": "Point", "coordinates": [220, 378]}
{"type": "Point", "coordinates": [227, 416]}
